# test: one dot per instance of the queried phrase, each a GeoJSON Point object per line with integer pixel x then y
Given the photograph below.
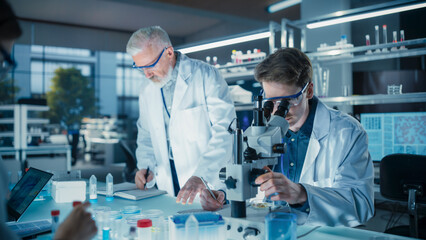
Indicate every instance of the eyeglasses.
{"type": "Point", "coordinates": [141, 68]}
{"type": "Point", "coordinates": [8, 63]}
{"type": "Point", "coordinates": [293, 100]}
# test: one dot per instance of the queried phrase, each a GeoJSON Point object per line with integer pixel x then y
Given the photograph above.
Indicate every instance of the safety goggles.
{"type": "Point", "coordinates": [293, 100]}
{"type": "Point", "coordinates": [141, 68]}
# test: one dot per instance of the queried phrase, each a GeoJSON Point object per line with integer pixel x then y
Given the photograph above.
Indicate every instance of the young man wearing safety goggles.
{"type": "Point", "coordinates": [326, 174]}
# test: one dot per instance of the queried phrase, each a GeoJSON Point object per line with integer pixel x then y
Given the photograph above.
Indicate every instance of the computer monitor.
{"type": "Point", "coordinates": [390, 133]}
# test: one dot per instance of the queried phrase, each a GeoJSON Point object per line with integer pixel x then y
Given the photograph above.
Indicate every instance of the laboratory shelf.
{"type": "Point", "coordinates": [360, 100]}
{"type": "Point", "coordinates": [37, 121]}
{"type": "Point", "coordinates": [6, 121]}
{"type": "Point", "coordinates": [246, 64]}
{"type": "Point", "coordinates": [377, 99]}
{"type": "Point", "coordinates": [45, 134]}
{"type": "Point", "coordinates": [375, 56]}
{"type": "Point", "coordinates": [411, 48]}
{"type": "Point", "coordinates": [7, 107]}
{"type": "Point", "coordinates": [37, 108]}
{"type": "Point", "coordinates": [6, 134]}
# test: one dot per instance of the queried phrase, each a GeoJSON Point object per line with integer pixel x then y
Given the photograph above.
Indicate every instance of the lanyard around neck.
{"type": "Point", "coordinates": [164, 103]}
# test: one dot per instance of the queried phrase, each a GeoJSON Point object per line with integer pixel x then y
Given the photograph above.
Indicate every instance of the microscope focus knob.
{"type": "Point", "coordinates": [231, 183]}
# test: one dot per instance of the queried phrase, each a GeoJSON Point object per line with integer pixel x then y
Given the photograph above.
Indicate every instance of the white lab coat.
{"type": "Point", "coordinates": [201, 112]}
{"type": "Point", "coordinates": [338, 172]}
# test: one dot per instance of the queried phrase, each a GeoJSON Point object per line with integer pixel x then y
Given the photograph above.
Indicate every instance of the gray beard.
{"type": "Point", "coordinates": [164, 80]}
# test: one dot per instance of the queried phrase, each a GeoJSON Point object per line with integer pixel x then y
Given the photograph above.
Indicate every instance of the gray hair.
{"type": "Point", "coordinates": [153, 35]}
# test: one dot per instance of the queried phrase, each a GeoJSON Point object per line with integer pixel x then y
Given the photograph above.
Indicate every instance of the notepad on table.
{"type": "Point", "coordinates": [130, 191]}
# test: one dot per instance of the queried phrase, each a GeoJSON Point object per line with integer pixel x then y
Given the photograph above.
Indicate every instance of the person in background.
{"type": "Point", "coordinates": [79, 224]}
{"type": "Point", "coordinates": [326, 174]}
{"type": "Point", "coordinates": [184, 112]}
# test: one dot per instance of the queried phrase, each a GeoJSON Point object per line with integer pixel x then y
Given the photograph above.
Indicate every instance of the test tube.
{"type": "Point", "coordinates": [214, 60]}
{"type": "Point", "coordinates": [376, 30]}
{"type": "Point", "coordinates": [110, 187]}
{"type": "Point", "coordinates": [93, 194]}
{"type": "Point", "coordinates": [385, 37]}
{"type": "Point", "coordinates": [401, 33]}
{"type": "Point", "coordinates": [367, 40]}
{"type": "Point", "coordinates": [55, 220]}
{"type": "Point", "coordinates": [402, 39]}
{"type": "Point", "coordinates": [208, 59]}
{"type": "Point", "coordinates": [368, 43]}
{"type": "Point", "coordinates": [394, 40]}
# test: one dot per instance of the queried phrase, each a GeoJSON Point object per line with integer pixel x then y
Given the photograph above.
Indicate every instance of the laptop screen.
{"type": "Point", "coordinates": [25, 191]}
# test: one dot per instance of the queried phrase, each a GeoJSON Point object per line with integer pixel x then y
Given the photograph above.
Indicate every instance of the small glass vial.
{"type": "Point", "coordinates": [109, 188]}
{"type": "Point", "coordinates": [55, 220]}
{"type": "Point", "coordinates": [93, 194]}
{"type": "Point", "coordinates": [402, 39]}
{"type": "Point", "coordinates": [144, 229]}
{"type": "Point", "coordinates": [208, 58]}
{"type": "Point", "coordinates": [377, 36]}
{"type": "Point", "coordinates": [368, 43]}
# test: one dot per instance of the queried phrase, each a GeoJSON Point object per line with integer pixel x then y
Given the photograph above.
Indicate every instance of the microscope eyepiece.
{"type": "Point", "coordinates": [283, 108]}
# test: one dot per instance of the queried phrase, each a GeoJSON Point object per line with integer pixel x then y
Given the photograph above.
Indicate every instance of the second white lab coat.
{"type": "Point", "coordinates": [201, 112]}
{"type": "Point", "coordinates": [338, 171]}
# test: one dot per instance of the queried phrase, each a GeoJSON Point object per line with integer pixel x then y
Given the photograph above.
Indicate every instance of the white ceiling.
{"type": "Point", "coordinates": [129, 15]}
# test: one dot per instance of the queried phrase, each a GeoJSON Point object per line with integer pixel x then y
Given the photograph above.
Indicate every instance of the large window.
{"type": "Point", "coordinates": [61, 51]}
{"type": "Point", "coordinates": [128, 86]}
{"type": "Point", "coordinates": [42, 73]}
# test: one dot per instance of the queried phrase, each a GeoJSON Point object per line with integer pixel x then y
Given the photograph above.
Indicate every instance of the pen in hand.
{"type": "Point", "coordinates": [146, 177]}
{"type": "Point", "coordinates": [207, 187]}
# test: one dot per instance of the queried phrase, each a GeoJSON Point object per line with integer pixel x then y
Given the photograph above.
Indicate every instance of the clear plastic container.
{"type": "Point", "coordinates": [132, 221]}
{"type": "Point", "coordinates": [55, 220]}
{"type": "Point", "coordinates": [211, 226]}
{"type": "Point", "coordinates": [144, 229]}
{"type": "Point", "coordinates": [131, 210]}
{"type": "Point", "coordinates": [102, 219]}
{"type": "Point", "coordinates": [281, 226]}
{"type": "Point", "coordinates": [191, 228]}
{"type": "Point", "coordinates": [115, 223]}
{"type": "Point", "coordinates": [93, 192]}
{"type": "Point", "coordinates": [156, 217]}
{"type": "Point", "coordinates": [109, 188]}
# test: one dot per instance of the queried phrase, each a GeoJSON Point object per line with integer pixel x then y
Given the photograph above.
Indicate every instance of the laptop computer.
{"type": "Point", "coordinates": [25, 191]}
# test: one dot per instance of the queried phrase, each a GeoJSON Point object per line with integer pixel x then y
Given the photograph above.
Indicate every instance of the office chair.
{"type": "Point", "coordinates": [403, 178]}
{"type": "Point", "coordinates": [130, 169]}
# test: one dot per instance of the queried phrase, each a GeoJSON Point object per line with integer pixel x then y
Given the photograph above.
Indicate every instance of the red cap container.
{"type": "Point", "coordinates": [76, 203]}
{"type": "Point", "coordinates": [54, 212]}
{"type": "Point", "coordinates": [144, 223]}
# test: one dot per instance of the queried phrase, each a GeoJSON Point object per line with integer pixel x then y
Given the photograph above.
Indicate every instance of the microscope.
{"type": "Point", "coordinates": [260, 145]}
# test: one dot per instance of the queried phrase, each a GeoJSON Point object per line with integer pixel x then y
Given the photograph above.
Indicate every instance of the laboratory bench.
{"type": "Point", "coordinates": [41, 210]}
